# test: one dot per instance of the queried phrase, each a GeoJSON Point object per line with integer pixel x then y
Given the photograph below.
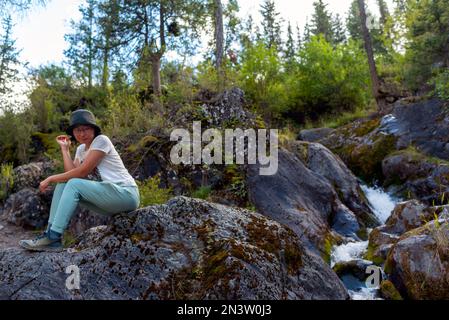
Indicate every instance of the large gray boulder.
{"type": "Point", "coordinates": [408, 215]}
{"type": "Point", "coordinates": [305, 196]}
{"type": "Point", "coordinates": [418, 264]}
{"type": "Point", "coordinates": [417, 175]}
{"type": "Point", "coordinates": [31, 174]}
{"type": "Point", "coordinates": [27, 208]}
{"type": "Point", "coordinates": [185, 249]}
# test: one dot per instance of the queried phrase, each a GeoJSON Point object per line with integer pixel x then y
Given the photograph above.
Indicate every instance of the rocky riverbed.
{"type": "Point", "coordinates": [312, 231]}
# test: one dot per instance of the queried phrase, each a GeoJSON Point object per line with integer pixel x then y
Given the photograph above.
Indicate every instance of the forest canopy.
{"type": "Point", "coordinates": [119, 63]}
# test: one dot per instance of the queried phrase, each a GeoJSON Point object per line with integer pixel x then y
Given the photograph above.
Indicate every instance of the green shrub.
{"type": "Point", "coordinates": [15, 136]}
{"type": "Point", "coordinates": [150, 193]}
{"type": "Point", "coordinates": [441, 82]}
{"type": "Point", "coordinates": [262, 80]}
{"type": "Point", "coordinates": [203, 192]}
{"type": "Point", "coordinates": [329, 80]}
{"type": "Point", "coordinates": [207, 76]}
{"type": "Point", "coordinates": [6, 180]}
{"type": "Point", "coordinates": [126, 115]}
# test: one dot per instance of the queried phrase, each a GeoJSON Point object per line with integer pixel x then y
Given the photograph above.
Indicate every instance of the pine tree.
{"type": "Point", "coordinates": [271, 24]}
{"type": "Point", "coordinates": [232, 23]}
{"type": "Point", "coordinates": [338, 30]}
{"type": "Point", "coordinates": [8, 57]}
{"type": "Point", "coordinates": [82, 51]}
{"type": "Point", "coordinates": [290, 50]}
{"type": "Point", "coordinates": [384, 13]}
{"type": "Point", "coordinates": [428, 41]}
{"type": "Point", "coordinates": [307, 31]}
{"type": "Point", "coordinates": [298, 37]}
{"type": "Point", "coordinates": [353, 24]}
{"type": "Point", "coordinates": [322, 21]}
{"type": "Point", "coordinates": [107, 40]}
{"type": "Point", "coordinates": [151, 28]}
{"type": "Point", "coordinates": [20, 6]}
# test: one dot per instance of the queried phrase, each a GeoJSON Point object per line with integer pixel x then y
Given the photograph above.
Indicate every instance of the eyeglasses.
{"type": "Point", "coordinates": [80, 130]}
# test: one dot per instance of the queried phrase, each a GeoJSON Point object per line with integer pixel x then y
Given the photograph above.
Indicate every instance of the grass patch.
{"type": "Point", "coordinates": [202, 192]}
{"type": "Point", "coordinates": [151, 194]}
{"type": "Point", "coordinates": [335, 121]}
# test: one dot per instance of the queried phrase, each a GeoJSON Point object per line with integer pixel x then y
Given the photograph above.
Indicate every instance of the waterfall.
{"type": "Point", "coordinates": [382, 204]}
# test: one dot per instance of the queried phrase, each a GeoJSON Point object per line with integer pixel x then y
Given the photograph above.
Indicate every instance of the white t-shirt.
{"type": "Point", "coordinates": [111, 167]}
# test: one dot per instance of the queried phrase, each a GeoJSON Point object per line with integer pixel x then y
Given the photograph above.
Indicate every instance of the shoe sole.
{"type": "Point", "coordinates": [41, 249]}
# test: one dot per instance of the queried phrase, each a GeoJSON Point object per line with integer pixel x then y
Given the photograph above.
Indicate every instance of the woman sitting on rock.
{"type": "Point", "coordinates": [117, 192]}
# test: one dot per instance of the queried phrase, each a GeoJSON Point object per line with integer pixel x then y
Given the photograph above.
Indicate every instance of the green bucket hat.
{"type": "Point", "coordinates": [82, 117]}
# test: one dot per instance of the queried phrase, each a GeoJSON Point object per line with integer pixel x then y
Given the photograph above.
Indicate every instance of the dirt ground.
{"type": "Point", "coordinates": [10, 235]}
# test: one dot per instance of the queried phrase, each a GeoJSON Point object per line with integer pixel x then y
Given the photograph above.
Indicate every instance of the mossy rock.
{"type": "Point", "coordinates": [142, 143]}
{"type": "Point", "coordinates": [366, 160]}
{"type": "Point", "coordinates": [388, 291]}
{"type": "Point", "coordinates": [329, 242]}
{"type": "Point", "coordinates": [366, 127]}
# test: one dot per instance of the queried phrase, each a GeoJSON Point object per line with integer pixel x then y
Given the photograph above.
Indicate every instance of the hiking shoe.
{"type": "Point", "coordinates": [43, 243]}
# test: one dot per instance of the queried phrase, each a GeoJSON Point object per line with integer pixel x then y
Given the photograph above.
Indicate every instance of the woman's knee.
{"type": "Point", "coordinates": [74, 182]}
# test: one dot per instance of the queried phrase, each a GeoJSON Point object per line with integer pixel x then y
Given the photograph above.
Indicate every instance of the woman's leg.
{"type": "Point", "coordinates": [57, 193]}
{"type": "Point", "coordinates": [108, 197]}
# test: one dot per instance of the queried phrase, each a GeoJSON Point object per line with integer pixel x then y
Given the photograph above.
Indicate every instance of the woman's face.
{"type": "Point", "coordinates": [84, 134]}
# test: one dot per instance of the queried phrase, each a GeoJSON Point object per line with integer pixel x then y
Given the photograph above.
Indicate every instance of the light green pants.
{"type": "Point", "coordinates": [105, 198]}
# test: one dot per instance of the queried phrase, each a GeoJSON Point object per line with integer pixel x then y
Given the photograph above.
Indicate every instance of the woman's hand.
{"type": "Point", "coordinates": [64, 141]}
{"type": "Point", "coordinates": [45, 184]}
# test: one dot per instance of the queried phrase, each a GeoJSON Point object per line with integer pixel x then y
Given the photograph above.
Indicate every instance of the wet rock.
{"type": "Point", "coordinates": [302, 194]}
{"type": "Point", "coordinates": [345, 222]}
{"type": "Point", "coordinates": [356, 268]}
{"type": "Point", "coordinates": [295, 196]}
{"type": "Point", "coordinates": [322, 161]}
{"type": "Point", "coordinates": [380, 242]}
{"type": "Point", "coordinates": [418, 264]}
{"type": "Point", "coordinates": [185, 249]}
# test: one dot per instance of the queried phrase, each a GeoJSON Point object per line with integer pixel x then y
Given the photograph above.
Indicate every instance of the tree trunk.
{"type": "Point", "coordinates": [156, 73]}
{"type": "Point", "coordinates": [380, 99]}
{"type": "Point", "coordinates": [219, 39]}
{"type": "Point", "coordinates": [90, 47]}
{"type": "Point", "coordinates": [105, 78]}
{"type": "Point", "coordinates": [157, 56]}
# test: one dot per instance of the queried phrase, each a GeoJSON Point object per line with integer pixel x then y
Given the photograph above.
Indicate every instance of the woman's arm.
{"type": "Point", "coordinates": [64, 142]}
{"type": "Point", "coordinates": [68, 163]}
{"type": "Point", "coordinates": [93, 158]}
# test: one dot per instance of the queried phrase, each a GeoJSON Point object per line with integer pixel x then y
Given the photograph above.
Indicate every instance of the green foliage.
{"type": "Point", "coordinates": [271, 25]}
{"type": "Point", "coordinates": [15, 136]}
{"type": "Point", "coordinates": [6, 180]}
{"type": "Point", "coordinates": [202, 192]}
{"type": "Point", "coordinates": [322, 21]}
{"type": "Point", "coordinates": [428, 44]}
{"type": "Point", "coordinates": [441, 83]}
{"type": "Point", "coordinates": [262, 79]}
{"type": "Point", "coordinates": [329, 80]}
{"type": "Point", "coordinates": [126, 115]}
{"type": "Point", "coordinates": [8, 56]}
{"type": "Point", "coordinates": [207, 76]}
{"type": "Point", "coordinates": [150, 193]}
